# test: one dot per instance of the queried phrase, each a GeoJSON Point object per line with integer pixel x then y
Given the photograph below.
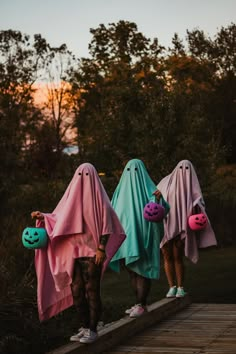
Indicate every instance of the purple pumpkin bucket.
{"type": "Point", "coordinates": [154, 212]}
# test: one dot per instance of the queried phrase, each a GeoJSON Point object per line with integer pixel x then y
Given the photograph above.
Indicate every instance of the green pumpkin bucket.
{"type": "Point", "coordinates": [34, 237]}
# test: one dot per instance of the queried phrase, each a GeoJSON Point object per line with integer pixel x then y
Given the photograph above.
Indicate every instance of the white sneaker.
{"type": "Point", "coordinates": [76, 337]}
{"type": "Point", "coordinates": [172, 292]}
{"type": "Point", "coordinates": [180, 292]}
{"type": "Point", "coordinates": [137, 311]}
{"type": "Point", "coordinates": [89, 336]}
{"type": "Point", "coordinates": [128, 311]}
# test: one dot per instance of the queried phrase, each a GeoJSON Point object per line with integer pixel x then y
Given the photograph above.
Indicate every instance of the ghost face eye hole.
{"type": "Point", "coordinates": [135, 169]}
{"type": "Point", "coordinates": [186, 167]}
{"type": "Point", "coordinates": [128, 169]}
{"type": "Point", "coordinates": [181, 167]}
{"type": "Point", "coordinates": [80, 174]}
{"type": "Point", "coordinates": [86, 173]}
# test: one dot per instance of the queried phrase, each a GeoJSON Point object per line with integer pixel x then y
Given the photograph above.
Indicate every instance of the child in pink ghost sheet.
{"type": "Point", "coordinates": [84, 233]}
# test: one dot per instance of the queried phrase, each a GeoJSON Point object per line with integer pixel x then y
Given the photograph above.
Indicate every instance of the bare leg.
{"type": "Point", "coordinates": [169, 266]}
{"type": "Point", "coordinates": [178, 252]}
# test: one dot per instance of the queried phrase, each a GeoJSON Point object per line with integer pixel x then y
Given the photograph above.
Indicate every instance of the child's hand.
{"type": "Point", "coordinates": [100, 256]}
{"type": "Point", "coordinates": [37, 215]}
{"type": "Point", "coordinates": [157, 194]}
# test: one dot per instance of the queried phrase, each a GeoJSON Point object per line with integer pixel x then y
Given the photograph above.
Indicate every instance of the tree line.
{"type": "Point", "coordinates": [131, 97]}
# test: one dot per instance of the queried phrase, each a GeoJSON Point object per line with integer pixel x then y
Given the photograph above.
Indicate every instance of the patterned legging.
{"type": "Point", "coordinates": [86, 291]}
{"type": "Point", "coordinates": [173, 254]}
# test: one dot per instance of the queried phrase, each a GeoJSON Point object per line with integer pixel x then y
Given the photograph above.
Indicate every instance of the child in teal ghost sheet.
{"type": "Point", "coordinates": [140, 252]}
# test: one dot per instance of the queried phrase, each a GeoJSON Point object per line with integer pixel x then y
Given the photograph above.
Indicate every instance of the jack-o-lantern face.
{"type": "Point", "coordinates": [197, 221]}
{"type": "Point", "coordinates": [34, 237]}
{"type": "Point", "coordinates": [153, 212]}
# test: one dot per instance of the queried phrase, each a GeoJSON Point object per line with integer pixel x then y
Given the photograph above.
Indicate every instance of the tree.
{"type": "Point", "coordinates": [220, 52]}
{"type": "Point", "coordinates": [58, 104]}
{"type": "Point", "coordinates": [19, 62]}
{"type": "Point", "coordinates": [113, 89]}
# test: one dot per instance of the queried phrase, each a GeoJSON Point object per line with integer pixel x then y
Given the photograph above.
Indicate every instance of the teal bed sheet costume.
{"type": "Point", "coordinates": [141, 249]}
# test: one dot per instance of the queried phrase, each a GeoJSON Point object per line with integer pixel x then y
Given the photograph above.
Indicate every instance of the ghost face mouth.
{"type": "Point", "coordinates": [151, 214]}
{"type": "Point", "coordinates": [200, 223]}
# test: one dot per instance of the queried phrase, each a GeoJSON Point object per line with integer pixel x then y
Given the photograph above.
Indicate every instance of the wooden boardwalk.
{"type": "Point", "coordinates": [198, 329]}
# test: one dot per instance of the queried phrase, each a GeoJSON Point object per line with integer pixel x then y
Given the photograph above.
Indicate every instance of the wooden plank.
{"type": "Point", "coordinates": [197, 329]}
{"type": "Point", "coordinates": [148, 350]}
{"type": "Point", "coordinates": [185, 331]}
{"type": "Point", "coordinates": [126, 327]}
{"type": "Point", "coordinates": [201, 328]}
{"type": "Point", "coordinates": [219, 351]}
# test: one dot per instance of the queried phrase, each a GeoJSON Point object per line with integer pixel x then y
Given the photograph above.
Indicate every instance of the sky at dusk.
{"type": "Point", "coordinates": [69, 21]}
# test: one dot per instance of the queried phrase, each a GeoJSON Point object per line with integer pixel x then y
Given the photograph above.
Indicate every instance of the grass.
{"type": "Point", "coordinates": [212, 280]}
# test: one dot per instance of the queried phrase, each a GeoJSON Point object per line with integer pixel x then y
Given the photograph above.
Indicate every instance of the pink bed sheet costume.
{"type": "Point", "coordinates": [182, 191]}
{"type": "Point", "coordinates": [83, 214]}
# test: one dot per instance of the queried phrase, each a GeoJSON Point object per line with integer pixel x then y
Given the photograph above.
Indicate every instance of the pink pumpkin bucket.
{"type": "Point", "coordinates": [197, 222]}
{"type": "Point", "coordinates": [153, 212]}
